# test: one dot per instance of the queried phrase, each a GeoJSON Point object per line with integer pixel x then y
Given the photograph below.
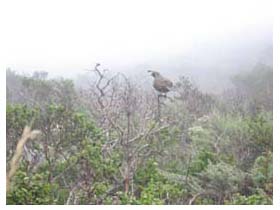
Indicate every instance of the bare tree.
{"type": "Point", "coordinates": [126, 114]}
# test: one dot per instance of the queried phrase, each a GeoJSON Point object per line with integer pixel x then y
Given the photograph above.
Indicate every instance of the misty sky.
{"type": "Point", "coordinates": [67, 37]}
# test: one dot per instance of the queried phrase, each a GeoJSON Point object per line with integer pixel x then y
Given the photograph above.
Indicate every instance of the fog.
{"type": "Point", "coordinates": [206, 40]}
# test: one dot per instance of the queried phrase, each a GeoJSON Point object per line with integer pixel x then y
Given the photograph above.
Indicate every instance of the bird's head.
{"type": "Point", "coordinates": [154, 73]}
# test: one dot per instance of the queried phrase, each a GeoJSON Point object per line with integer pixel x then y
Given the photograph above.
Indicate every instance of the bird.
{"type": "Point", "coordinates": [161, 84]}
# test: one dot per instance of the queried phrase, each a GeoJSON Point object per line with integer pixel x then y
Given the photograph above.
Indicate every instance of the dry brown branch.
{"type": "Point", "coordinates": [194, 198]}
{"type": "Point", "coordinates": [26, 135]}
{"type": "Point", "coordinates": [72, 195]}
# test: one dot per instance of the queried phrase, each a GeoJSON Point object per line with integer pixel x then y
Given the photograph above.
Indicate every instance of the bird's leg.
{"type": "Point", "coordinates": [158, 114]}
{"type": "Point", "coordinates": [160, 102]}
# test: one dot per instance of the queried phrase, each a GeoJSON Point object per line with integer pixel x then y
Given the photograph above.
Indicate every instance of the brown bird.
{"type": "Point", "coordinates": [161, 84]}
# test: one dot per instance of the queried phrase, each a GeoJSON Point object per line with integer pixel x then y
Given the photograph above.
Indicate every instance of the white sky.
{"type": "Point", "coordinates": [59, 36]}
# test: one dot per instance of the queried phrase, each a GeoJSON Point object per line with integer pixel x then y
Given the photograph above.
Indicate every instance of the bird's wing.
{"type": "Point", "coordinates": [162, 84]}
{"type": "Point", "coordinates": [167, 82]}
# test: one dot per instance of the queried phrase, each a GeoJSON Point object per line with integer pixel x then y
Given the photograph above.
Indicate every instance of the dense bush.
{"type": "Point", "coordinates": [107, 145]}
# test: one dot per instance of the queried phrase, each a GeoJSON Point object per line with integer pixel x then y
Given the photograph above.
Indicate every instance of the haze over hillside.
{"type": "Point", "coordinates": [209, 63]}
{"type": "Point", "coordinates": [207, 41]}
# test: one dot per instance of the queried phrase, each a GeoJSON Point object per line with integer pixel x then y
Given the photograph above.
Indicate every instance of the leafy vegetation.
{"type": "Point", "coordinates": [112, 143]}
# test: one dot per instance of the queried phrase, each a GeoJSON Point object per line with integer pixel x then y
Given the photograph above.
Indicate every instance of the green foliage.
{"type": "Point", "coordinates": [210, 153]}
{"type": "Point", "coordinates": [263, 173]}
{"type": "Point", "coordinates": [261, 130]}
{"type": "Point", "coordinates": [151, 193]}
{"type": "Point", "coordinates": [255, 199]}
{"type": "Point", "coordinates": [39, 91]}
{"type": "Point", "coordinates": [32, 189]}
{"type": "Point", "coordinates": [221, 177]}
{"type": "Point", "coordinates": [17, 117]}
{"type": "Point", "coordinates": [155, 188]}
{"type": "Point", "coordinates": [201, 161]}
{"type": "Point", "coordinates": [234, 139]}
{"type": "Point", "coordinates": [74, 144]}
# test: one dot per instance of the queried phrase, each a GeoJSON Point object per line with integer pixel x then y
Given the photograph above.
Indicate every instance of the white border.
{"type": "Point", "coordinates": [276, 158]}
{"type": "Point", "coordinates": [276, 104]}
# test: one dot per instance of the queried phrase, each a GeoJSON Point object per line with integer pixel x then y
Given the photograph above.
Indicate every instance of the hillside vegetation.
{"type": "Point", "coordinates": [112, 143]}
